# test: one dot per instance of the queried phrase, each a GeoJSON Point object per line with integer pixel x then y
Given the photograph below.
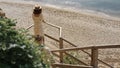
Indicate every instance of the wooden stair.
{"type": "Point", "coordinates": [94, 52]}
{"type": "Point", "coordinates": [62, 65]}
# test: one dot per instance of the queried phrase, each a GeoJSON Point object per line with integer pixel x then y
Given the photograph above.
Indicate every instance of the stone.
{"type": "Point", "coordinates": [2, 13]}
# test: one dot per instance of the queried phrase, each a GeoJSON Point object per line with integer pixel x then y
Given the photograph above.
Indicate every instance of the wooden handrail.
{"type": "Point", "coordinates": [52, 25]}
{"type": "Point", "coordinates": [69, 42]}
{"type": "Point", "coordinates": [82, 48]}
{"type": "Point", "coordinates": [92, 47]}
{"type": "Point", "coordinates": [70, 49]}
{"type": "Point", "coordinates": [71, 57]}
{"type": "Point", "coordinates": [75, 47]}
{"type": "Point", "coordinates": [51, 37]}
{"type": "Point", "coordinates": [105, 63]}
{"type": "Point", "coordinates": [86, 53]}
{"type": "Point", "coordinates": [29, 27]}
{"type": "Point", "coordinates": [60, 28]}
{"type": "Point", "coordinates": [107, 46]}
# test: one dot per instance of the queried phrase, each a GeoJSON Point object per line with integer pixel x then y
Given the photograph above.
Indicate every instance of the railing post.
{"type": "Point", "coordinates": [61, 47]}
{"type": "Point", "coordinates": [94, 57]}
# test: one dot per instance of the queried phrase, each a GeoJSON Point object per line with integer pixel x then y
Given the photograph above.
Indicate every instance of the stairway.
{"type": "Point", "coordinates": [61, 49]}
{"type": "Point", "coordinates": [61, 65]}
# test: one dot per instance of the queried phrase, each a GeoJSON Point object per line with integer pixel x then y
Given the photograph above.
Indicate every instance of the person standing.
{"type": "Point", "coordinates": [39, 34]}
{"type": "Point", "coordinates": [38, 20]}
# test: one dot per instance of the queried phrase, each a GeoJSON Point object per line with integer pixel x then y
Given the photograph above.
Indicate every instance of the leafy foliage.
{"type": "Point", "coordinates": [17, 48]}
{"type": "Point", "coordinates": [69, 60]}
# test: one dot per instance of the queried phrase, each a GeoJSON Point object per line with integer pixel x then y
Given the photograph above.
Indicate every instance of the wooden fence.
{"type": "Point", "coordinates": [94, 52]}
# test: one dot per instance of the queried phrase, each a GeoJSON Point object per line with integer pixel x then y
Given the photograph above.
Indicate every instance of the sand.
{"type": "Point", "coordinates": [80, 28]}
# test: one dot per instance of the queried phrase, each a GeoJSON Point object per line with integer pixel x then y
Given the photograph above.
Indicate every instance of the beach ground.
{"type": "Point", "coordinates": [82, 29]}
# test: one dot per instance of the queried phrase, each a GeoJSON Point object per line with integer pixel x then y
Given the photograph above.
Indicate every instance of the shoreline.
{"type": "Point", "coordinates": [84, 11]}
{"type": "Point", "coordinates": [68, 9]}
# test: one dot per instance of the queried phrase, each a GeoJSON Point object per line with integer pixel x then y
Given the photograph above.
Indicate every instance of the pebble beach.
{"type": "Point", "coordinates": [80, 28]}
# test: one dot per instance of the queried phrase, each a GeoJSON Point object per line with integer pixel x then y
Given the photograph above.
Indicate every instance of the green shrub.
{"type": "Point", "coordinates": [17, 48]}
{"type": "Point", "coordinates": [70, 60]}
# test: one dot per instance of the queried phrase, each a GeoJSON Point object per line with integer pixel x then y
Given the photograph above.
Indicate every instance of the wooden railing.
{"type": "Point", "coordinates": [73, 45]}
{"type": "Point", "coordinates": [52, 25]}
{"type": "Point", "coordinates": [93, 54]}
{"type": "Point", "coordinates": [55, 26]}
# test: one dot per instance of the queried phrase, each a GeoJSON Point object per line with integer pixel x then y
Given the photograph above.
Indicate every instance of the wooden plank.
{"type": "Point", "coordinates": [29, 27]}
{"type": "Point", "coordinates": [51, 37]}
{"type": "Point", "coordinates": [90, 54]}
{"type": "Point", "coordinates": [69, 66]}
{"type": "Point", "coordinates": [50, 24]}
{"type": "Point", "coordinates": [107, 46]}
{"type": "Point", "coordinates": [58, 27]}
{"type": "Point", "coordinates": [69, 43]}
{"type": "Point", "coordinates": [82, 48]}
{"type": "Point", "coordinates": [70, 49]}
{"type": "Point", "coordinates": [105, 63]}
{"type": "Point", "coordinates": [99, 47]}
{"type": "Point", "coordinates": [94, 58]}
{"type": "Point", "coordinates": [76, 58]}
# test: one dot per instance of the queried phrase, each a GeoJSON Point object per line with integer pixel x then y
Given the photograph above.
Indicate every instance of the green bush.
{"type": "Point", "coordinates": [17, 48]}
{"type": "Point", "coordinates": [70, 60]}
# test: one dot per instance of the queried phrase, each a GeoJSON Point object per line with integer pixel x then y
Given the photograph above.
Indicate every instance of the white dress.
{"type": "Point", "coordinates": [38, 28]}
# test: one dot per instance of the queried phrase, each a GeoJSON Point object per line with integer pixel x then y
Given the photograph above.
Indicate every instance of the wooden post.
{"type": "Point", "coordinates": [61, 47]}
{"type": "Point", "coordinates": [94, 57]}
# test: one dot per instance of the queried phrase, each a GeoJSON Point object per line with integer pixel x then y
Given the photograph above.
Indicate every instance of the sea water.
{"type": "Point", "coordinates": [109, 7]}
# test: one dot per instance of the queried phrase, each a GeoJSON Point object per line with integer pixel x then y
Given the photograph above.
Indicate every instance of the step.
{"type": "Point", "coordinates": [62, 65]}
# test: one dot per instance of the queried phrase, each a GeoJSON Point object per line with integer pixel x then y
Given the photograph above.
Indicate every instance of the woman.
{"type": "Point", "coordinates": [38, 20]}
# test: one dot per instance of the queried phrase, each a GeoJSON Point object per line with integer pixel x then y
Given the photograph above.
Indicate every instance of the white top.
{"type": "Point", "coordinates": [38, 29]}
